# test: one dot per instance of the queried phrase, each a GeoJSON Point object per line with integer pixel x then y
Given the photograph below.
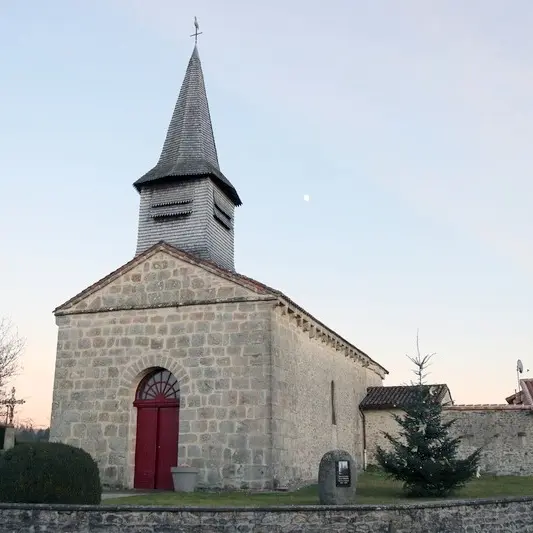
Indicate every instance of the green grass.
{"type": "Point", "coordinates": [372, 488]}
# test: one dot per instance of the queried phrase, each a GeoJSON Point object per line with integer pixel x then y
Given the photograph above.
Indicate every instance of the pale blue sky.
{"type": "Point", "coordinates": [409, 123]}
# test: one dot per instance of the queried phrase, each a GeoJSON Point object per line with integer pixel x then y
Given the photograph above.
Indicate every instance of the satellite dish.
{"type": "Point", "coordinates": [519, 366]}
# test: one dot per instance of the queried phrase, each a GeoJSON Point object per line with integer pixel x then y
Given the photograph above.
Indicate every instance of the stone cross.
{"type": "Point", "coordinates": [10, 406]}
{"type": "Point", "coordinates": [336, 478]}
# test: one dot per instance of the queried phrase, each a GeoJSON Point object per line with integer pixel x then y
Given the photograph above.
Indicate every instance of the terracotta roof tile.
{"type": "Point", "coordinates": [395, 396]}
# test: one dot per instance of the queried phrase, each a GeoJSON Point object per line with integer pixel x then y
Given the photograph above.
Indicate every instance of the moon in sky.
{"type": "Point", "coordinates": [306, 197]}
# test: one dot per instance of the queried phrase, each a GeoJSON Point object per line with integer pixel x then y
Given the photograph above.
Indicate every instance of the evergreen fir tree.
{"type": "Point", "coordinates": [424, 456]}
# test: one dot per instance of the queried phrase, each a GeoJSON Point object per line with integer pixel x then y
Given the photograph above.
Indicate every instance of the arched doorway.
{"type": "Point", "coordinates": [156, 448]}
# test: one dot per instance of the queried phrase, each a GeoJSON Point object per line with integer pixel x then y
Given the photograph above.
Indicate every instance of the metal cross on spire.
{"type": "Point", "coordinates": [196, 32]}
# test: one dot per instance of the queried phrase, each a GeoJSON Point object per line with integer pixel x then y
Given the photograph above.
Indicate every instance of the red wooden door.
{"type": "Point", "coordinates": [146, 448]}
{"type": "Point", "coordinates": [156, 449]}
{"type": "Point", "coordinates": [167, 447]}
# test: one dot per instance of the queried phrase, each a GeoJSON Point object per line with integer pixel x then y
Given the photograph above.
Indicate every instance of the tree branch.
{"type": "Point", "coordinates": [11, 348]}
{"type": "Point", "coordinates": [421, 363]}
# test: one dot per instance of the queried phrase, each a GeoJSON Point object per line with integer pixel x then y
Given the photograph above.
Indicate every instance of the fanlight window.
{"type": "Point", "coordinates": [159, 386]}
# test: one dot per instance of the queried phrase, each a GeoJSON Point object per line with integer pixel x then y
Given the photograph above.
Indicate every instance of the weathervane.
{"type": "Point", "coordinates": [196, 32]}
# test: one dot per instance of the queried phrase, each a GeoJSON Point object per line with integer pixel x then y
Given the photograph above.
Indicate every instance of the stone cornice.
{"type": "Point", "coordinates": [166, 305]}
{"type": "Point", "coordinates": [321, 333]}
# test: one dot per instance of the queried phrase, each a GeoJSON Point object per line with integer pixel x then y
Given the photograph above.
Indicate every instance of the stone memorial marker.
{"type": "Point", "coordinates": [336, 478]}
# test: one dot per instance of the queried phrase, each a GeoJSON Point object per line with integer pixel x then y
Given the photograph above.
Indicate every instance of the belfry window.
{"type": "Point", "coordinates": [221, 212]}
{"type": "Point", "coordinates": [333, 413]}
{"type": "Point", "coordinates": [171, 201]}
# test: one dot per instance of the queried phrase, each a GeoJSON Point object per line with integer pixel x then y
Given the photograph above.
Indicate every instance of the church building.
{"type": "Point", "coordinates": [175, 358]}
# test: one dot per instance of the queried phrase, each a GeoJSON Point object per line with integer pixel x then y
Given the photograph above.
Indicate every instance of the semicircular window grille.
{"type": "Point", "coordinates": [159, 386]}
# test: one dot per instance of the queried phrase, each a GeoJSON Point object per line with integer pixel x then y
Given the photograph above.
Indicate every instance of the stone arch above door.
{"type": "Point", "coordinates": [141, 366]}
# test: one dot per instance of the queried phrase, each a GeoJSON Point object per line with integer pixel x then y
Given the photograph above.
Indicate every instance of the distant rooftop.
{"type": "Point", "coordinates": [523, 396]}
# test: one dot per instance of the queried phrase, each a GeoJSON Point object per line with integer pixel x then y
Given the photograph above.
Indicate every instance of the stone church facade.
{"type": "Point", "coordinates": [175, 358]}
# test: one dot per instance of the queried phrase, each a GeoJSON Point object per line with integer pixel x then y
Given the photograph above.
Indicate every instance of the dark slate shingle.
{"type": "Point", "coordinates": [190, 150]}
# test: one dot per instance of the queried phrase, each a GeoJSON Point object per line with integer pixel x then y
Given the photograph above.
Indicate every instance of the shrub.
{"type": "Point", "coordinates": [49, 472]}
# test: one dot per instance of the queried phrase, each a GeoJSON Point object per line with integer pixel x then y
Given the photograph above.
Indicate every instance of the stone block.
{"type": "Point", "coordinates": [9, 438]}
{"type": "Point", "coordinates": [337, 476]}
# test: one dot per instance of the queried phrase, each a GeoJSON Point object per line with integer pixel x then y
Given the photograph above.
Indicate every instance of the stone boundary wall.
{"type": "Point", "coordinates": [503, 431]}
{"type": "Point", "coordinates": [508, 515]}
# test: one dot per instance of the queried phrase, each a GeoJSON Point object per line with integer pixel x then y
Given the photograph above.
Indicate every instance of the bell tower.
{"type": "Point", "coordinates": [186, 200]}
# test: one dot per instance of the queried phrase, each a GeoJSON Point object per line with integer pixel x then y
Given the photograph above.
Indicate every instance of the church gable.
{"type": "Point", "coordinates": [163, 276]}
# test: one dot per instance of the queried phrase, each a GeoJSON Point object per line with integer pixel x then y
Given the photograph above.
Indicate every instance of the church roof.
{"type": "Point", "coordinates": [395, 397]}
{"type": "Point", "coordinates": [249, 283]}
{"type": "Point", "coordinates": [189, 150]}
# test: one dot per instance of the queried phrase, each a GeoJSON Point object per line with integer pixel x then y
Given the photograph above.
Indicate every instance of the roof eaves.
{"type": "Point", "coordinates": [158, 175]}
{"type": "Point", "coordinates": [291, 303]}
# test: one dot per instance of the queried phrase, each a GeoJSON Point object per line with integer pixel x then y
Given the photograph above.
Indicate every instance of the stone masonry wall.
{"type": "Point", "coordinates": [376, 422]}
{"type": "Point", "coordinates": [482, 516]}
{"type": "Point", "coordinates": [220, 353]}
{"type": "Point", "coordinates": [303, 368]}
{"type": "Point", "coordinates": [505, 431]}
